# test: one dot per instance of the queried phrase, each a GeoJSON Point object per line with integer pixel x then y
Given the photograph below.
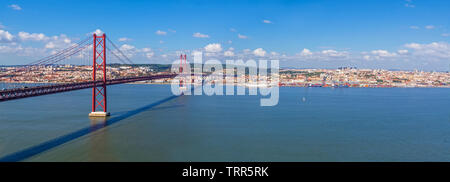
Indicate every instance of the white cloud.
{"type": "Point", "coordinates": [403, 51]}
{"type": "Point", "coordinates": [334, 53]}
{"type": "Point", "coordinates": [429, 27]}
{"type": "Point", "coordinates": [146, 49]}
{"type": "Point", "coordinates": [171, 30]}
{"type": "Point", "coordinates": [421, 53]}
{"type": "Point", "coordinates": [306, 52]}
{"type": "Point", "coordinates": [259, 52]}
{"type": "Point", "coordinates": [432, 50]}
{"type": "Point", "coordinates": [229, 52]}
{"type": "Point", "coordinates": [8, 49]}
{"type": "Point", "coordinates": [149, 55]}
{"type": "Point", "coordinates": [242, 36]}
{"type": "Point", "coordinates": [267, 21]}
{"type": "Point", "coordinates": [233, 30]}
{"type": "Point", "coordinates": [382, 53]}
{"type": "Point", "coordinates": [129, 50]}
{"type": "Point", "coordinates": [159, 32]}
{"type": "Point", "coordinates": [15, 7]}
{"type": "Point", "coordinates": [213, 48]}
{"type": "Point", "coordinates": [126, 47]}
{"type": "Point", "coordinates": [413, 46]}
{"type": "Point", "coordinates": [18, 50]}
{"type": "Point", "coordinates": [54, 42]}
{"type": "Point", "coordinates": [414, 27]}
{"type": "Point", "coordinates": [6, 37]}
{"type": "Point", "coordinates": [50, 45]}
{"type": "Point", "coordinates": [199, 35]}
{"type": "Point", "coordinates": [25, 36]}
{"type": "Point", "coordinates": [445, 34]}
{"type": "Point", "coordinates": [366, 57]}
{"type": "Point", "coordinates": [1, 26]}
{"type": "Point", "coordinates": [328, 54]}
{"type": "Point", "coordinates": [124, 39]}
{"type": "Point", "coordinates": [161, 42]}
{"type": "Point", "coordinates": [97, 32]}
{"type": "Point", "coordinates": [435, 51]}
{"type": "Point", "coordinates": [67, 41]}
{"type": "Point", "coordinates": [409, 4]}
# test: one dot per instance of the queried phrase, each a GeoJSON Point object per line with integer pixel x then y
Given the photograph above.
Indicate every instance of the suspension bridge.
{"type": "Point", "coordinates": [94, 73]}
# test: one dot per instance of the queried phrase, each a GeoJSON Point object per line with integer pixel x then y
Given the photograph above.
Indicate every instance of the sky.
{"type": "Point", "coordinates": [375, 34]}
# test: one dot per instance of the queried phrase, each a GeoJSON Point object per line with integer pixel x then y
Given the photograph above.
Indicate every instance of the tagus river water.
{"type": "Point", "coordinates": [308, 124]}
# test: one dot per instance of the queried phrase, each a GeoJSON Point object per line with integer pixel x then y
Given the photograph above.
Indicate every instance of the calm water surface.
{"type": "Point", "coordinates": [308, 124]}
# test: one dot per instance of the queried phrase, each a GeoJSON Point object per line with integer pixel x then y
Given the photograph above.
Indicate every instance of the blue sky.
{"type": "Point", "coordinates": [390, 34]}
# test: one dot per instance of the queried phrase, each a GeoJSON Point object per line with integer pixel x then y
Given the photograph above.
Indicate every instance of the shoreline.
{"type": "Point", "coordinates": [134, 83]}
{"type": "Point", "coordinates": [167, 83]}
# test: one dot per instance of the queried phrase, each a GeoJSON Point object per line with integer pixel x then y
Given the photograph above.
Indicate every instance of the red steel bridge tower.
{"type": "Point", "coordinates": [183, 67]}
{"type": "Point", "coordinates": [99, 80]}
{"type": "Point", "coordinates": [99, 101]}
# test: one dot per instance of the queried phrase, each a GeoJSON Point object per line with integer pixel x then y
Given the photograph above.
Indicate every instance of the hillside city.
{"type": "Point", "coordinates": [341, 77]}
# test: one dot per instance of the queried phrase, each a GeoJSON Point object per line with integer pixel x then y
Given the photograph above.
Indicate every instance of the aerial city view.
{"type": "Point", "coordinates": [225, 81]}
{"type": "Point", "coordinates": [339, 77]}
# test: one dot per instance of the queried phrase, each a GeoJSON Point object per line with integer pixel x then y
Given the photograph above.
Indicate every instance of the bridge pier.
{"type": "Point", "coordinates": [99, 90]}
{"type": "Point", "coordinates": [99, 114]}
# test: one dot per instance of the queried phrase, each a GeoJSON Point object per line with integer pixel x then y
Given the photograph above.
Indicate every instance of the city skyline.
{"type": "Point", "coordinates": [401, 34]}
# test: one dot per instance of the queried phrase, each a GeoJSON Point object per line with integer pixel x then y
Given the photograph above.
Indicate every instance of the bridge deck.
{"type": "Point", "coordinates": [18, 93]}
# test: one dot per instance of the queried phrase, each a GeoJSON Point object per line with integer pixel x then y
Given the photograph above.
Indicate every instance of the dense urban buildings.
{"type": "Point", "coordinates": [341, 77]}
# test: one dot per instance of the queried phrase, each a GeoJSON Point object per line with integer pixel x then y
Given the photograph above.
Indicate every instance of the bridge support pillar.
{"type": "Point", "coordinates": [99, 104]}
{"type": "Point", "coordinates": [98, 114]}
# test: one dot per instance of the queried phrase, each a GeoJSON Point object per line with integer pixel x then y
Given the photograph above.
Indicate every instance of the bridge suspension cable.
{"type": "Point", "coordinates": [118, 57]}
{"type": "Point", "coordinates": [37, 78]}
{"type": "Point", "coordinates": [54, 58]}
{"type": "Point", "coordinates": [74, 46]}
{"type": "Point", "coordinates": [118, 50]}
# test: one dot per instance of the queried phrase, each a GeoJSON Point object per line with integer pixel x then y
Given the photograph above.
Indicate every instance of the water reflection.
{"type": "Point", "coordinates": [97, 124]}
{"type": "Point", "coordinates": [92, 143]}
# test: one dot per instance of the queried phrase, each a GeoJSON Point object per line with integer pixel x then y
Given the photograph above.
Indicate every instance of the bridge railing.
{"type": "Point", "coordinates": [17, 93]}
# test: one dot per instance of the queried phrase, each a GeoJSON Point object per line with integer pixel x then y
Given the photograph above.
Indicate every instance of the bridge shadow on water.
{"type": "Point", "coordinates": [37, 149]}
